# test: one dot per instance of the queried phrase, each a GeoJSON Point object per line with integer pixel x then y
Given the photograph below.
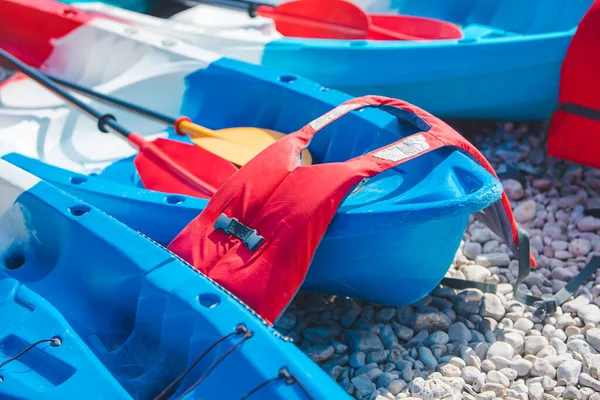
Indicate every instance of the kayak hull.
{"type": "Point", "coordinates": [112, 297]}
{"type": "Point", "coordinates": [506, 67]}
{"type": "Point", "coordinates": [372, 238]}
{"type": "Point", "coordinates": [466, 80]}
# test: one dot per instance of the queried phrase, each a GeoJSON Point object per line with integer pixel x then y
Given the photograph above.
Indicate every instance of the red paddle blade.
{"type": "Point", "coordinates": [408, 27]}
{"type": "Point", "coordinates": [175, 167]}
{"type": "Point", "coordinates": [331, 19]}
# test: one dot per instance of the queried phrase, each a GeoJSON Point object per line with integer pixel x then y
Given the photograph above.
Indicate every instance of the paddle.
{"type": "Point", "coordinates": [339, 19]}
{"type": "Point", "coordinates": [237, 145]}
{"type": "Point", "coordinates": [164, 165]}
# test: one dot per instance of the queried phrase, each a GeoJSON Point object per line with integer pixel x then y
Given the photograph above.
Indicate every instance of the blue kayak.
{"type": "Point", "coordinates": [506, 66]}
{"type": "Point", "coordinates": [378, 232]}
{"type": "Point", "coordinates": [100, 310]}
{"type": "Point", "coordinates": [134, 5]}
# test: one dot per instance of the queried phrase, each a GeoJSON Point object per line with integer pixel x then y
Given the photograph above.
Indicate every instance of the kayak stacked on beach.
{"type": "Point", "coordinates": [506, 65]}
{"type": "Point", "coordinates": [90, 306]}
{"type": "Point", "coordinates": [148, 183]}
{"type": "Point", "coordinates": [381, 224]}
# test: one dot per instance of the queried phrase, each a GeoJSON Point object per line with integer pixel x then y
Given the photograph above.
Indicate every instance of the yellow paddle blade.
{"type": "Point", "coordinates": [237, 145]}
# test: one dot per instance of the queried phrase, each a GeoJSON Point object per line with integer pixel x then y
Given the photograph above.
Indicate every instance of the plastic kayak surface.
{"type": "Point", "coordinates": [379, 232]}
{"type": "Point", "coordinates": [116, 316]}
{"type": "Point", "coordinates": [506, 67]}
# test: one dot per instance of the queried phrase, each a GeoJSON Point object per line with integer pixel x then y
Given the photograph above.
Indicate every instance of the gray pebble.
{"type": "Point", "coordinates": [477, 337]}
{"type": "Point", "coordinates": [472, 250]}
{"type": "Point", "coordinates": [386, 378]}
{"type": "Point", "coordinates": [465, 309]}
{"type": "Point", "coordinates": [374, 374]}
{"type": "Point", "coordinates": [365, 369]}
{"type": "Point", "coordinates": [458, 331]}
{"type": "Point", "coordinates": [513, 188]}
{"type": "Point", "coordinates": [588, 224]}
{"type": "Point", "coordinates": [377, 356]}
{"type": "Point", "coordinates": [357, 360]}
{"type": "Point", "coordinates": [388, 337]}
{"type": "Point", "coordinates": [418, 339]}
{"type": "Point", "coordinates": [385, 314]}
{"type": "Point", "coordinates": [396, 386]}
{"type": "Point", "coordinates": [363, 385]}
{"type": "Point", "coordinates": [571, 392]}
{"type": "Point", "coordinates": [319, 353]}
{"type": "Point", "coordinates": [435, 338]}
{"type": "Point", "coordinates": [287, 322]}
{"type": "Point", "coordinates": [593, 338]}
{"type": "Point", "coordinates": [491, 306]}
{"type": "Point", "coordinates": [433, 321]}
{"type": "Point", "coordinates": [580, 247]}
{"type": "Point", "coordinates": [403, 332]}
{"type": "Point", "coordinates": [525, 211]}
{"type": "Point", "coordinates": [426, 356]}
{"type": "Point", "coordinates": [350, 313]}
{"type": "Point", "coordinates": [363, 341]}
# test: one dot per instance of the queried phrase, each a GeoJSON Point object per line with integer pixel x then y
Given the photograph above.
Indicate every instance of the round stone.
{"type": "Point", "coordinates": [500, 349]}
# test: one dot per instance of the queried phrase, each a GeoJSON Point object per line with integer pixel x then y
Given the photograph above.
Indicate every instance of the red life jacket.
{"type": "Point", "coordinates": [574, 132]}
{"type": "Point", "coordinates": [263, 255]}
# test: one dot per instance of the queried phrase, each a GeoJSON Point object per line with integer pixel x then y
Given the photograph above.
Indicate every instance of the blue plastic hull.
{"type": "Point", "coordinates": [380, 232]}
{"type": "Point", "coordinates": [506, 68]}
{"type": "Point", "coordinates": [130, 315]}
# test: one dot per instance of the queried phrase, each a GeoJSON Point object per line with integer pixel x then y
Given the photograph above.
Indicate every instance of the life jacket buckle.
{"type": "Point", "coordinates": [545, 306]}
{"type": "Point", "coordinates": [232, 226]}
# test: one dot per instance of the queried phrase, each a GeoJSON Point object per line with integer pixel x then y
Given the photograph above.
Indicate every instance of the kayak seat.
{"type": "Point", "coordinates": [520, 17]}
{"type": "Point", "coordinates": [33, 318]}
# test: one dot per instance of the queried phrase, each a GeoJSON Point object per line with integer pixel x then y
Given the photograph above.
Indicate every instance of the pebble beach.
{"type": "Point", "coordinates": [473, 345]}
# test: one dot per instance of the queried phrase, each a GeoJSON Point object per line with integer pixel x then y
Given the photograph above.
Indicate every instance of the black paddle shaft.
{"type": "Point", "coordinates": [114, 101]}
{"type": "Point", "coordinates": [251, 6]}
{"type": "Point", "coordinates": [106, 122]}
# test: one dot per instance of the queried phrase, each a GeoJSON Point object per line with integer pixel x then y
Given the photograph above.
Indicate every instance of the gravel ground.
{"type": "Point", "coordinates": [470, 345]}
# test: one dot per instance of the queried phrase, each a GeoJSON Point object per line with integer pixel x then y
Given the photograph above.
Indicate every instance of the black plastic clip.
{"type": "Point", "coordinates": [232, 226]}
{"type": "Point", "coordinates": [545, 306]}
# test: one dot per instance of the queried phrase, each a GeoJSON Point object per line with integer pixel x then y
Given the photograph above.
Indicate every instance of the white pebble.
{"type": "Point", "coordinates": [589, 314]}
{"type": "Point", "coordinates": [522, 366]}
{"type": "Point", "coordinates": [533, 344]}
{"type": "Point", "coordinates": [525, 211]}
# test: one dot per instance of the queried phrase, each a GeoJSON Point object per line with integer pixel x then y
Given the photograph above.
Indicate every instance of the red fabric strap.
{"type": "Point", "coordinates": [263, 195]}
